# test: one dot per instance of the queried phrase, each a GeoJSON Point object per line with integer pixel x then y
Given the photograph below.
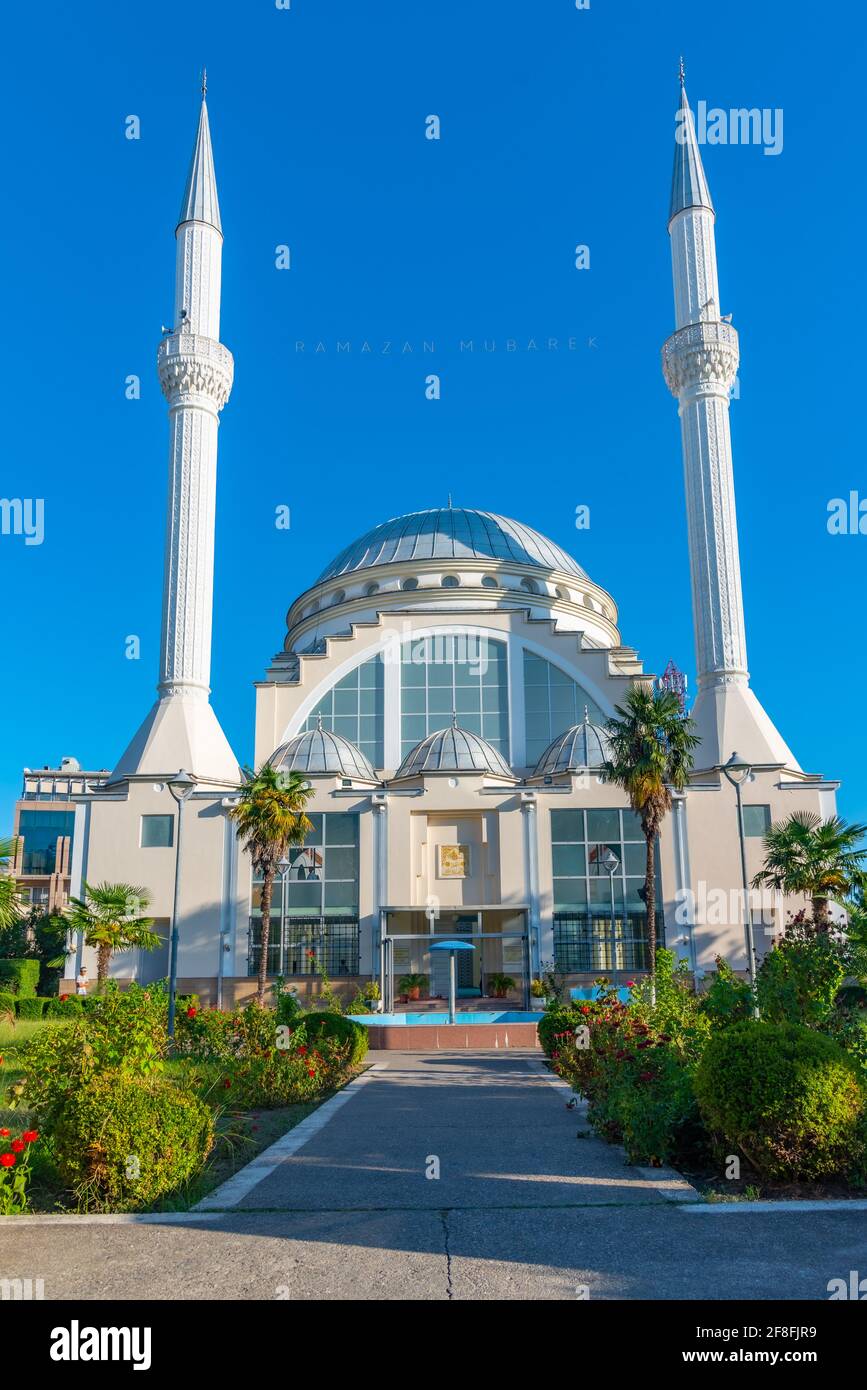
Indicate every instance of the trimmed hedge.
{"type": "Point", "coordinates": [789, 1098]}
{"type": "Point", "coordinates": [72, 1007]}
{"type": "Point", "coordinates": [7, 1002]}
{"type": "Point", "coordinates": [30, 1008]}
{"type": "Point", "coordinates": [339, 1029]}
{"type": "Point", "coordinates": [122, 1142]}
{"type": "Point", "coordinates": [19, 977]}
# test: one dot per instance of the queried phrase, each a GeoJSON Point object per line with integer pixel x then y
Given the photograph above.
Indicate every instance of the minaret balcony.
{"type": "Point", "coordinates": [190, 364]}
{"type": "Point", "coordinates": [701, 358]}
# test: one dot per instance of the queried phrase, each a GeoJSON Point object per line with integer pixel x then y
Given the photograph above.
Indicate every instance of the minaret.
{"type": "Point", "coordinates": [700, 362]}
{"type": "Point", "coordinates": [195, 373]}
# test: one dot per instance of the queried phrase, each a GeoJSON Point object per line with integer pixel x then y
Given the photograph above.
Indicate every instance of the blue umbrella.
{"type": "Point", "coordinates": [452, 947]}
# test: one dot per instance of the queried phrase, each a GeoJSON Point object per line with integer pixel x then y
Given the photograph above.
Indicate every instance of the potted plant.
{"type": "Point", "coordinates": [537, 995]}
{"type": "Point", "coordinates": [372, 996]}
{"type": "Point", "coordinates": [500, 985]}
{"type": "Point", "coordinates": [412, 985]}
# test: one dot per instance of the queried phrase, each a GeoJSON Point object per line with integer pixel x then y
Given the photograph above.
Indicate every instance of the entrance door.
{"type": "Point", "coordinates": [467, 963]}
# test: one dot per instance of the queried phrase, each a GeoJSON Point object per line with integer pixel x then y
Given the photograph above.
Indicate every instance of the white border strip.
{"type": "Point", "coordinates": [117, 1218]}
{"type": "Point", "coordinates": [235, 1189]}
{"type": "Point", "coordinates": [730, 1208]}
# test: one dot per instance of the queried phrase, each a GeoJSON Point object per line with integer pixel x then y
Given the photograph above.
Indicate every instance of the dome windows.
{"type": "Point", "coordinates": [489, 582]}
{"type": "Point", "coordinates": [338, 597]}
{"type": "Point", "coordinates": [372, 589]}
{"type": "Point", "coordinates": [450, 581]}
{"type": "Point", "coordinates": [408, 585]}
{"type": "Point", "coordinates": [529, 585]}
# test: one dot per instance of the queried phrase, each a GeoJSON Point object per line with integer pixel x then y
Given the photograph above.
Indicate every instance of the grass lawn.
{"type": "Point", "coordinates": [240, 1134]}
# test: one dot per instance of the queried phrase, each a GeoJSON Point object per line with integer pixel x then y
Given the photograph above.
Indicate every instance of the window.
{"type": "Point", "coordinates": [157, 832]}
{"type": "Point", "coordinates": [40, 831]}
{"type": "Point", "coordinates": [451, 581]}
{"type": "Point", "coordinates": [553, 702]}
{"type": "Point", "coordinates": [372, 589]}
{"type": "Point", "coordinates": [489, 582]}
{"type": "Point", "coordinates": [599, 913]}
{"type": "Point", "coordinates": [529, 586]}
{"type": "Point", "coordinates": [314, 906]}
{"type": "Point", "coordinates": [355, 708]}
{"type": "Point", "coordinates": [465, 676]}
{"type": "Point", "coordinates": [757, 822]}
{"type": "Point", "coordinates": [409, 584]}
{"type": "Point", "coordinates": [337, 597]}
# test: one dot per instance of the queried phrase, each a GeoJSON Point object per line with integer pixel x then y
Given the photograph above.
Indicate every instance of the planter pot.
{"type": "Point", "coordinates": [537, 1004]}
{"type": "Point", "coordinates": [414, 994]}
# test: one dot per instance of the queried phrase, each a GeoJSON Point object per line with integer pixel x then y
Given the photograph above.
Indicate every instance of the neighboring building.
{"type": "Point", "coordinates": [443, 685]}
{"type": "Point", "coordinates": [43, 831]}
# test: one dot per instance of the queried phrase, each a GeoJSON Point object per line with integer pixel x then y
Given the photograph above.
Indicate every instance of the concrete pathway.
{"type": "Point", "coordinates": [522, 1209]}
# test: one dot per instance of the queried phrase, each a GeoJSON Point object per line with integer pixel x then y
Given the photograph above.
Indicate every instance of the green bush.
{"type": "Point", "coordinates": [70, 1007]}
{"type": "Point", "coordinates": [649, 1106]}
{"type": "Point", "coordinates": [122, 1142]}
{"type": "Point", "coordinates": [30, 1008]}
{"type": "Point", "coordinates": [798, 981]}
{"type": "Point", "coordinates": [336, 1028]}
{"type": "Point", "coordinates": [787, 1097]}
{"type": "Point", "coordinates": [727, 998]}
{"type": "Point", "coordinates": [7, 1003]}
{"type": "Point", "coordinates": [19, 977]}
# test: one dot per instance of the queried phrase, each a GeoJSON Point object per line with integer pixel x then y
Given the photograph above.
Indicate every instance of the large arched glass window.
{"type": "Point", "coordinates": [355, 708]}
{"type": "Point", "coordinates": [462, 675]}
{"type": "Point", "coordinates": [553, 702]}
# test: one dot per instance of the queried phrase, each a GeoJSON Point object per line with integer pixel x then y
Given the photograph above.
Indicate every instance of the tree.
{"type": "Point", "coordinates": [109, 917]}
{"type": "Point", "coordinates": [651, 742]}
{"type": "Point", "coordinates": [822, 859]}
{"type": "Point", "coordinates": [269, 817]}
{"type": "Point", "coordinates": [10, 895]}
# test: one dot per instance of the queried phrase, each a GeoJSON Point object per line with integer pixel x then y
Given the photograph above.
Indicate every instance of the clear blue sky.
{"type": "Point", "coordinates": [557, 128]}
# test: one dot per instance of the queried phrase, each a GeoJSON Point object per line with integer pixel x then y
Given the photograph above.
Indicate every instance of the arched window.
{"type": "Point", "coordinates": [450, 581]}
{"type": "Point", "coordinates": [372, 589]}
{"type": "Point", "coordinates": [355, 708]}
{"type": "Point", "coordinates": [529, 585]}
{"type": "Point", "coordinates": [409, 584]}
{"type": "Point", "coordinates": [553, 702]}
{"type": "Point", "coordinates": [489, 582]}
{"type": "Point", "coordinates": [465, 675]}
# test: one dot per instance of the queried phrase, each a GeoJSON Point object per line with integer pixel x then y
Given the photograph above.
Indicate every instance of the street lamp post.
{"type": "Point", "coordinates": [180, 786]}
{"type": "Point", "coordinates": [737, 771]}
{"type": "Point", "coordinates": [612, 863]}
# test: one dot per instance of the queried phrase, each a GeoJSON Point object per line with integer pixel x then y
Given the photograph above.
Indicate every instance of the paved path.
{"type": "Point", "coordinates": [522, 1209]}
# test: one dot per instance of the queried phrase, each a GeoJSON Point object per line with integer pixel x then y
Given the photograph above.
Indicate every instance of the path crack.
{"type": "Point", "coordinates": [444, 1217]}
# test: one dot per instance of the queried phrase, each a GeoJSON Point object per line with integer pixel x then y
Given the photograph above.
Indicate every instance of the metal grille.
{"type": "Point", "coordinates": [311, 944]}
{"type": "Point", "coordinates": [585, 943]}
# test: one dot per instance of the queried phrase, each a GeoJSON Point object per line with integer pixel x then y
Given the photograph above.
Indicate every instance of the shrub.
{"type": "Point", "coordinates": [19, 977]}
{"type": "Point", "coordinates": [15, 1155]}
{"type": "Point", "coordinates": [727, 998]}
{"type": "Point", "coordinates": [30, 1008]}
{"type": "Point", "coordinates": [337, 1028]}
{"type": "Point", "coordinates": [786, 1096]}
{"type": "Point", "coordinates": [70, 1007]}
{"type": "Point", "coordinates": [123, 1141]}
{"type": "Point", "coordinates": [500, 984]}
{"type": "Point", "coordinates": [798, 981]}
{"type": "Point", "coordinates": [650, 1106]}
{"type": "Point", "coordinates": [7, 1003]}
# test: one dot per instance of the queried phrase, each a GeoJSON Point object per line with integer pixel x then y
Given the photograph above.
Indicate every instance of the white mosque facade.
{"type": "Point", "coordinates": [444, 686]}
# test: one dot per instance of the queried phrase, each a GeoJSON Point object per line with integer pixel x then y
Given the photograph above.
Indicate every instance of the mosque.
{"type": "Point", "coordinates": [443, 685]}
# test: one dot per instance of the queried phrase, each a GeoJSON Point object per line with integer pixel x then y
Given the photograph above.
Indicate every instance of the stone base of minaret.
{"type": "Point", "coordinates": [729, 719]}
{"type": "Point", "coordinates": [180, 732]}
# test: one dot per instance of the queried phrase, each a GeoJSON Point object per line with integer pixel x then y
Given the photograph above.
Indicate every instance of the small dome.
{"type": "Point", "coordinates": [454, 750]}
{"type": "Point", "coordinates": [320, 752]}
{"type": "Point", "coordinates": [585, 745]}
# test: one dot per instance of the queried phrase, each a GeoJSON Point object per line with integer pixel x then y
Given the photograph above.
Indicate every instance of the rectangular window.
{"type": "Point", "coordinates": [157, 832]}
{"type": "Point", "coordinates": [40, 831]}
{"type": "Point", "coordinates": [446, 676]}
{"type": "Point", "coordinates": [600, 921]}
{"type": "Point", "coordinates": [314, 909]}
{"type": "Point", "coordinates": [757, 822]}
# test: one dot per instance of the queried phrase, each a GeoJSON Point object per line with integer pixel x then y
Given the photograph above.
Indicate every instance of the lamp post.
{"type": "Point", "coordinates": [612, 863]}
{"type": "Point", "coordinates": [180, 786]}
{"type": "Point", "coordinates": [737, 771]}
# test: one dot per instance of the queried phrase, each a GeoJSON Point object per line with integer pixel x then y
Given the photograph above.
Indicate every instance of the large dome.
{"type": "Point", "coordinates": [320, 751]}
{"type": "Point", "coordinates": [450, 533]}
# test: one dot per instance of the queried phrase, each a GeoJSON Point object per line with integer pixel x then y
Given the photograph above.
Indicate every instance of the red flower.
{"type": "Point", "coordinates": [311, 1071]}
{"type": "Point", "coordinates": [30, 1136]}
{"type": "Point", "coordinates": [302, 1051]}
{"type": "Point", "coordinates": [226, 1082]}
{"type": "Point", "coordinates": [191, 1012]}
{"type": "Point", "coordinates": [17, 1146]}
{"type": "Point", "coordinates": [63, 996]}
{"type": "Point", "coordinates": [585, 1009]}
{"type": "Point", "coordinates": [555, 1054]}
{"type": "Point", "coordinates": [7, 1160]}
{"type": "Point", "coordinates": [645, 1076]}
{"type": "Point", "coordinates": [4, 1132]}
{"type": "Point", "coordinates": [630, 984]}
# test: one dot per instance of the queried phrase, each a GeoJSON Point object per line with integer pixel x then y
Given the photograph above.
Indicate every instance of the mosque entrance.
{"type": "Point", "coordinates": [501, 948]}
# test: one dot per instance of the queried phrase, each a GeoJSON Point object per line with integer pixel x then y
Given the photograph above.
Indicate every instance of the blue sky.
{"type": "Point", "coordinates": [557, 129]}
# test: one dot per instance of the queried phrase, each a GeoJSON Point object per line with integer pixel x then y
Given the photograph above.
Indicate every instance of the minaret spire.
{"type": "Point", "coordinates": [195, 372]}
{"type": "Point", "coordinates": [700, 362]}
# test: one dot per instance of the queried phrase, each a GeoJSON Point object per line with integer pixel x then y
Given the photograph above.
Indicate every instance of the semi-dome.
{"type": "Point", "coordinates": [321, 752]}
{"type": "Point", "coordinates": [450, 533]}
{"type": "Point", "coordinates": [454, 750]}
{"type": "Point", "coordinates": [585, 745]}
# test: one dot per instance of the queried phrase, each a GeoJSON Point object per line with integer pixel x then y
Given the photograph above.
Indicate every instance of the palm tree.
{"type": "Point", "coordinates": [10, 895]}
{"type": "Point", "coordinates": [109, 916]}
{"type": "Point", "coordinates": [269, 817]}
{"type": "Point", "coordinates": [651, 742]}
{"type": "Point", "coordinates": [821, 859]}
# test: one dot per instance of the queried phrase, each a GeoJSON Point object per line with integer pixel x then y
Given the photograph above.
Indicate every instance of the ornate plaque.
{"type": "Point", "coordinates": [453, 861]}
